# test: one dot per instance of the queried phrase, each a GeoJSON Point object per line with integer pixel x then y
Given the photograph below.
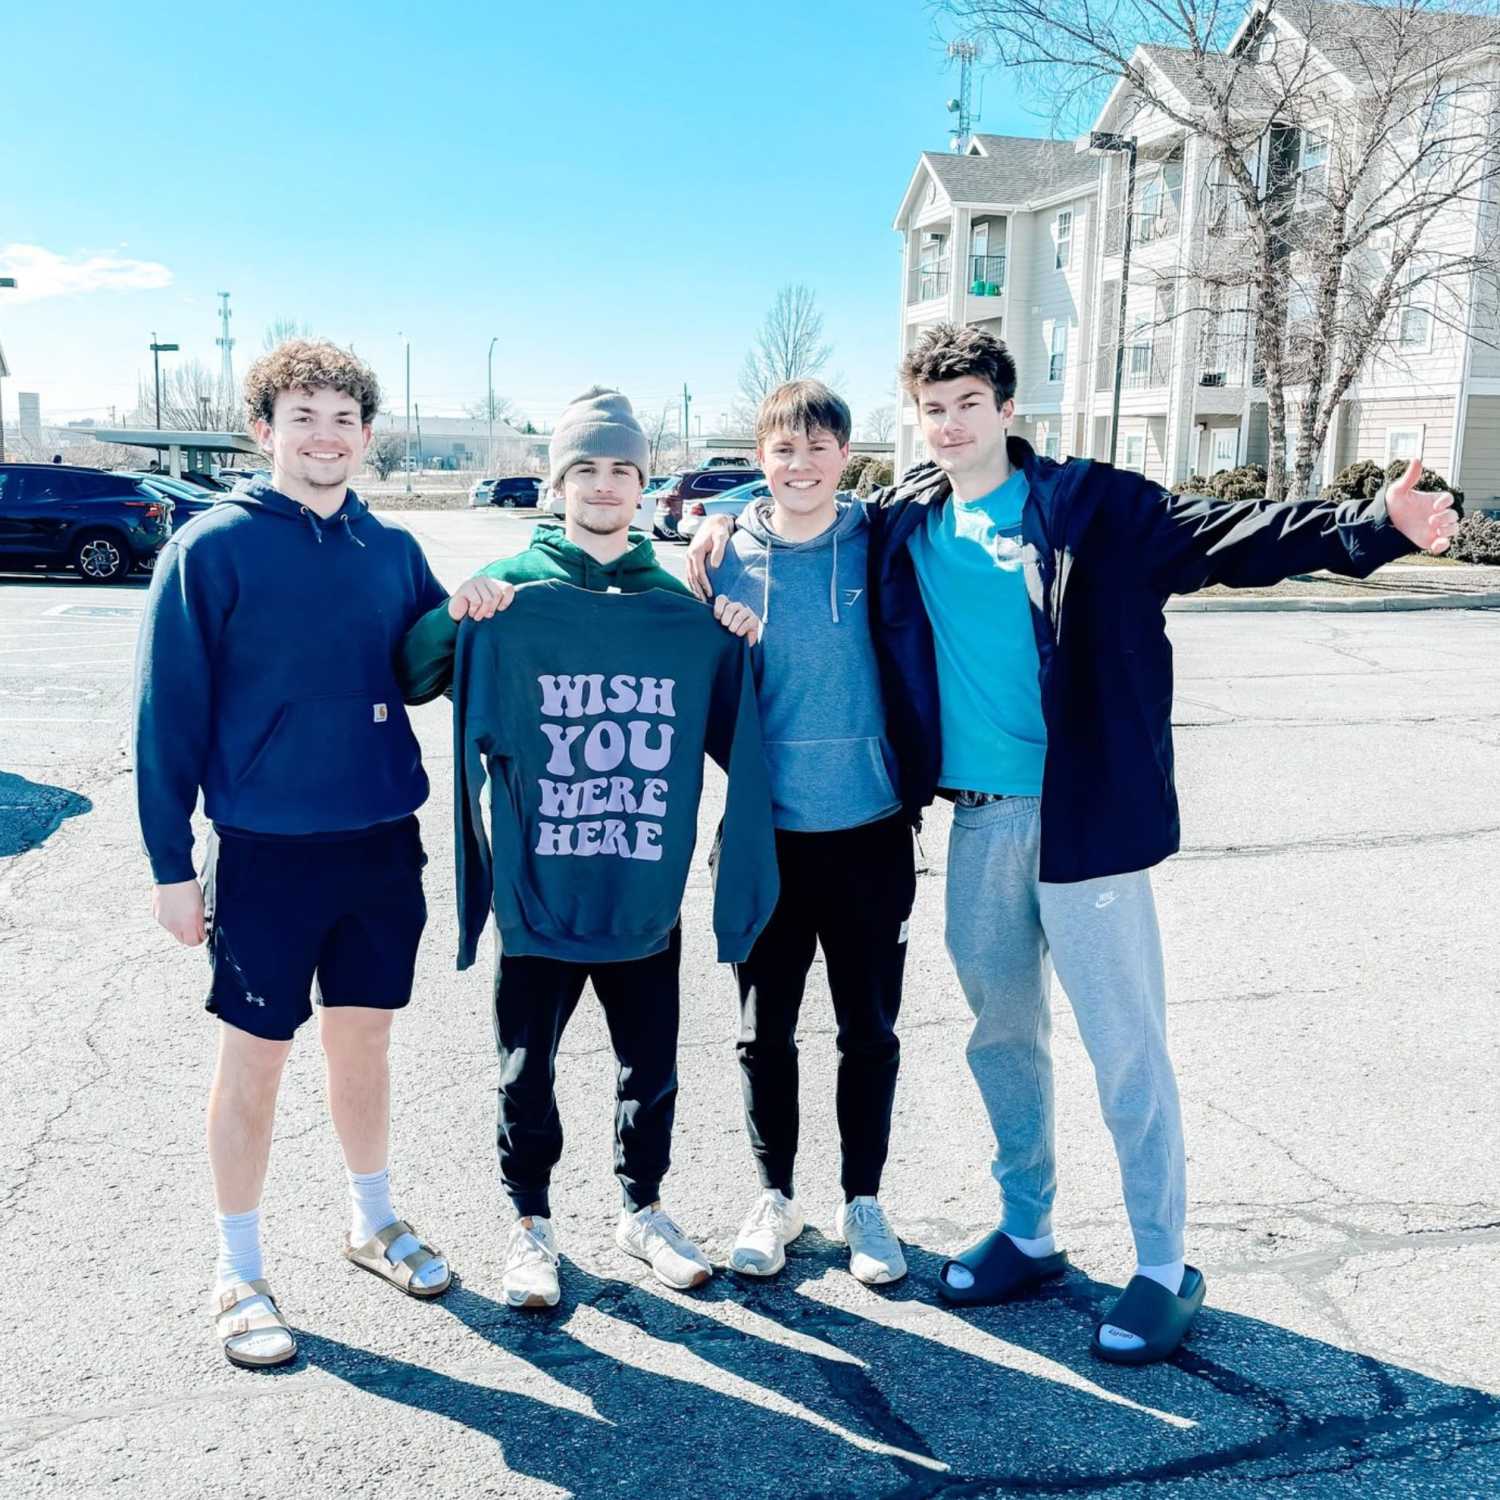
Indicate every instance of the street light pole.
{"type": "Point", "coordinates": [407, 465]}
{"type": "Point", "coordinates": [10, 282]}
{"type": "Point", "coordinates": [489, 382]}
{"type": "Point", "coordinates": [1102, 140]}
{"type": "Point", "coordinates": [157, 350]}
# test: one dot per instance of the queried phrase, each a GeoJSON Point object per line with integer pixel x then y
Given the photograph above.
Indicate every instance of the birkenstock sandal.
{"type": "Point", "coordinates": [1000, 1271]}
{"type": "Point", "coordinates": [1154, 1315]}
{"type": "Point", "coordinates": [371, 1257]}
{"type": "Point", "coordinates": [232, 1325]}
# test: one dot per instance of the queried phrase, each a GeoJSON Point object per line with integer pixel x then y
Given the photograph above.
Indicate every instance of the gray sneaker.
{"type": "Point", "coordinates": [651, 1236]}
{"type": "Point", "coordinates": [531, 1257]}
{"type": "Point", "coordinates": [773, 1222]}
{"type": "Point", "coordinates": [875, 1256]}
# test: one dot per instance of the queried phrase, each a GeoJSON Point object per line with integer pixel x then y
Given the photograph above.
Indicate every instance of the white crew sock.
{"type": "Point", "coordinates": [371, 1211]}
{"type": "Point", "coordinates": [1170, 1276]}
{"type": "Point", "coordinates": [239, 1249]}
{"type": "Point", "coordinates": [961, 1278]}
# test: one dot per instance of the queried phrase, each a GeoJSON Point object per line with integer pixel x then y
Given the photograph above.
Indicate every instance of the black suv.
{"type": "Point", "coordinates": [509, 493]}
{"type": "Point", "coordinates": [102, 525]}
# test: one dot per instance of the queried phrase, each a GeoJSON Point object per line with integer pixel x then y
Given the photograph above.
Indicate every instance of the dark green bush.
{"type": "Point", "coordinates": [1478, 540]}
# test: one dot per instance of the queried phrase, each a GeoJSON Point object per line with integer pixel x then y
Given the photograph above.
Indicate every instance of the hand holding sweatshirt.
{"type": "Point", "coordinates": [590, 713]}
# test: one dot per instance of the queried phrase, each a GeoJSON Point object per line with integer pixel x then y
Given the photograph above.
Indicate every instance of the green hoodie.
{"type": "Point", "coordinates": [424, 663]}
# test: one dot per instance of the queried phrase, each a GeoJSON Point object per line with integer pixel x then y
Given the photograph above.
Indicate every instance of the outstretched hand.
{"type": "Point", "coordinates": [1426, 518]}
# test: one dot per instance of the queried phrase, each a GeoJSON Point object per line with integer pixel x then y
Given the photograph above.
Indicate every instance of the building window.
{"type": "Point", "coordinates": [1404, 442]}
{"type": "Point", "coordinates": [1052, 443]}
{"type": "Point", "coordinates": [1225, 449]}
{"type": "Point", "coordinates": [1063, 234]}
{"type": "Point", "coordinates": [1135, 453]}
{"type": "Point", "coordinates": [1312, 169]}
{"type": "Point", "coordinates": [1058, 358]}
{"type": "Point", "coordinates": [1414, 320]}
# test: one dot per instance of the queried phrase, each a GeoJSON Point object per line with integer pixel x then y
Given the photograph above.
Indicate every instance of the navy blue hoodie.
{"type": "Point", "coordinates": [265, 674]}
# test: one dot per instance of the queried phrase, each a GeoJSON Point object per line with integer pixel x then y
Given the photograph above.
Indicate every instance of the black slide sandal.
{"type": "Point", "coordinates": [1000, 1271]}
{"type": "Point", "coordinates": [1152, 1313]}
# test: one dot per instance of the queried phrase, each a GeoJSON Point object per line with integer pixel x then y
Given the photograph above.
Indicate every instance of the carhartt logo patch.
{"type": "Point", "coordinates": [382, 713]}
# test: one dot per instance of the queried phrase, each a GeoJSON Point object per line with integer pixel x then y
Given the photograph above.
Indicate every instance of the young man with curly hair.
{"type": "Point", "coordinates": [1018, 620]}
{"type": "Point", "coordinates": [286, 715]}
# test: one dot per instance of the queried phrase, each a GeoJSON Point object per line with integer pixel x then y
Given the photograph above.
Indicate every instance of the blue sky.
{"type": "Point", "coordinates": [615, 191]}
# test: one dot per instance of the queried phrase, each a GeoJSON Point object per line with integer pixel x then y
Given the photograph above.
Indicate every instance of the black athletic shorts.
{"type": "Point", "coordinates": [341, 916]}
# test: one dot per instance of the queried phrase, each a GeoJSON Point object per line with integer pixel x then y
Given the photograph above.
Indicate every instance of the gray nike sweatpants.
{"type": "Point", "coordinates": [1005, 931]}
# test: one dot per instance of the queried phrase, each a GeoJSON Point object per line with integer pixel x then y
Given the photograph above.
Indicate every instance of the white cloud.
{"type": "Point", "coordinates": [41, 273]}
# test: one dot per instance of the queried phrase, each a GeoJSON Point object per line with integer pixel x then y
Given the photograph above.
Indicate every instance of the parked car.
{"type": "Point", "coordinates": [524, 489]}
{"type": "Point", "coordinates": [232, 477]}
{"type": "Point", "coordinates": [730, 503]}
{"type": "Point", "coordinates": [696, 484]}
{"type": "Point", "coordinates": [188, 500]}
{"type": "Point", "coordinates": [208, 482]}
{"type": "Point", "coordinates": [55, 516]}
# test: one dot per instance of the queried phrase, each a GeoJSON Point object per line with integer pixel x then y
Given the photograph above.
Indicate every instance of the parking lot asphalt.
{"type": "Point", "coordinates": [1332, 955]}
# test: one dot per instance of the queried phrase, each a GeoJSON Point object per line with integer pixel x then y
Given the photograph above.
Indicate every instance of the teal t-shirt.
{"type": "Point", "coordinates": [968, 568]}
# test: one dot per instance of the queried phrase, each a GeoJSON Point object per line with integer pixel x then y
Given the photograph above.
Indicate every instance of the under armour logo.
{"type": "Point", "coordinates": [255, 1000]}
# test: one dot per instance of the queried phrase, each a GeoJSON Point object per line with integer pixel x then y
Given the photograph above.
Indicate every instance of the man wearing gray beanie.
{"type": "Point", "coordinates": [597, 461]}
{"type": "Point", "coordinates": [597, 424]}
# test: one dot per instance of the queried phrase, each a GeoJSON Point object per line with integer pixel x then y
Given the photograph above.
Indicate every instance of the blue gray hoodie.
{"type": "Point", "coordinates": [822, 715]}
{"type": "Point", "coordinates": [265, 674]}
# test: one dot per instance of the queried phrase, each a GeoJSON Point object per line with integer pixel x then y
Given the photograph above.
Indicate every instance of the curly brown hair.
{"type": "Point", "coordinates": [310, 365]}
{"type": "Point", "coordinates": [948, 352]}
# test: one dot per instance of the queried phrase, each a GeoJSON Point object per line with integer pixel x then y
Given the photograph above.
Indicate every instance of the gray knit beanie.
{"type": "Point", "coordinates": [598, 424]}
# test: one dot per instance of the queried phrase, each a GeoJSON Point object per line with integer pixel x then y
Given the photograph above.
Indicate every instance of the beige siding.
{"type": "Point", "coordinates": [1042, 296]}
{"type": "Point", "coordinates": [1366, 424]}
{"type": "Point", "coordinates": [1479, 473]}
{"type": "Point", "coordinates": [1257, 435]}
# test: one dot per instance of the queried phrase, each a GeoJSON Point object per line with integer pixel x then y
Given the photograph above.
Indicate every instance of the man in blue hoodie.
{"type": "Point", "coordinates": [843, 842]}
{"type": "Point", "coordinates": [287, 716]}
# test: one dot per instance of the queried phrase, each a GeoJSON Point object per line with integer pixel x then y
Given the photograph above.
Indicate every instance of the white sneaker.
{"type": "Point", "coordinates": [773, 1222]}
{"type": "Point", "coordinates": [875, 1256]}
{"type": "Point", "coordinates": [651, 1236]}
{"type": "Point", "coordinates": [531, 1257]}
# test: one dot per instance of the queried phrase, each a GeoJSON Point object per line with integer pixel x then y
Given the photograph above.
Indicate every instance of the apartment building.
{"type": "Point", "coordinates": [1192, 399]}
{"type": "Point", "coordinates": [1003, 237]}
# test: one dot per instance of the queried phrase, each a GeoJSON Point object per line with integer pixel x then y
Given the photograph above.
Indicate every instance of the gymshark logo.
{"type": "Point", "coordinates": [851, 597]}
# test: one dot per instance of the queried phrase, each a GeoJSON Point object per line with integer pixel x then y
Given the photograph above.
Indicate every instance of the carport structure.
{"type": "Point", "coordinates": [185, 450]}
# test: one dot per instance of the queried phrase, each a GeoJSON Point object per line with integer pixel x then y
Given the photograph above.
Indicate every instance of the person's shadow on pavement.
{"type": "Point", "coordinates": [811, 1385]}
{"type": "Point", "coordinates": [31, 812]}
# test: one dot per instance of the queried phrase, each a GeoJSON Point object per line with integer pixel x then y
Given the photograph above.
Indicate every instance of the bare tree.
{"type": "Point", "coordinates": [385, 453]}
{"type": "Point", "coordinates": [1336, 161]}
{"type": "Point", "coordinates": [880, 424]}
{"type": "Point", "coordinates": [663, 436]}
{"type": "Point", "coordinates": [193, 399]}
{"type": "Point", "coordinates": [283, 328]}
{"type": "Point", "coordinates": [505, 410]}
{"type": "Point", "coordinates": [789, 345]}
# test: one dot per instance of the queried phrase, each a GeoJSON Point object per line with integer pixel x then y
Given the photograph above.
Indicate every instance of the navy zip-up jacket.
{"type": "Point", "coordinates": [265, 674]}
{"type": "Point", "coordinates": [1110, 547]}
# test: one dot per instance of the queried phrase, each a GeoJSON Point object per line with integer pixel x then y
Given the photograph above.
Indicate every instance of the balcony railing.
{"type": "Point", "coordinates": [986, 275]}
{"type": "Point", "coordinates": [931, 283]}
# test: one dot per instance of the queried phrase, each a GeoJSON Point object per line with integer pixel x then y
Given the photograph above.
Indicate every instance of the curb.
{"type": "Point", "coordinates": [1319, 604]}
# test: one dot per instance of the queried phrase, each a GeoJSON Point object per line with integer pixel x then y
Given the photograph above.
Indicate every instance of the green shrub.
{"type": "Point", "coordinates": [1194, 484]}
{"type": "Point", "coordinates": [1478, 540]}
{"type": "Point", "coordinates": [1358, 481]}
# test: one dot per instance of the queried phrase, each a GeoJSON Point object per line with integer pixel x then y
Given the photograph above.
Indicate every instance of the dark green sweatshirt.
{"type": "Point", "coordinates": [591, 713]}
{"type": "Point", "coordinates": [424, 664]}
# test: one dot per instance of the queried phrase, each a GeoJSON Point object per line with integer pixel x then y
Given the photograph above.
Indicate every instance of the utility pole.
{"type": "Point", "coordinates": [687, 402]}
{"type": "Point", "coordinates": [7, 282]}
{"type": "Point", "coordinates": [226, 371]}
{"type": "Point", "coordinates": [489, 385]}
{"type": "Point", "coordinates": [420, 459]}
{"type": "Point", "coordinates": [157, 350]}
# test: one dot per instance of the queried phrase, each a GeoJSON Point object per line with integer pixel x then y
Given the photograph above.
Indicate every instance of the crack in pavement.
{"type": "Point", "coordinates": [1339, 842]}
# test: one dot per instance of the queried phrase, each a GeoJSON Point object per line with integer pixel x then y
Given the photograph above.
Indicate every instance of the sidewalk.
{"type": "Point", "coordinates": [1419, 584]}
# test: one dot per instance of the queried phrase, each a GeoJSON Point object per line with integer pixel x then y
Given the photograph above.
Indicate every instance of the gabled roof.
{"type": "Point", "coordinates": [1011, 170]}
